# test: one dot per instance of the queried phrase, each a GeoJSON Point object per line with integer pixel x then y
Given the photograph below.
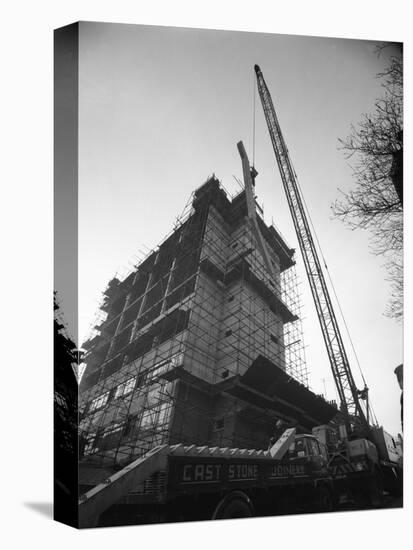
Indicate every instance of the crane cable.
{"type": "Point", "coordinates": [329, 276]}
{"type": "Point", "coordinates": [332, 285]}
{"type": "Point", "coordinates": [328, 272]}
{"type": "Point", "coordinates": [253, 122]}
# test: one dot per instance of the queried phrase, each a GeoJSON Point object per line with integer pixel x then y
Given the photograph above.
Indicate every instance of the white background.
{"type": "Point", "coordinates": [26, 274]}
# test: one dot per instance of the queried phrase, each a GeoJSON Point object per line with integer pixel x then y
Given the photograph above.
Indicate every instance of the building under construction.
{"type": "Point", "coordinates": [201, 343]}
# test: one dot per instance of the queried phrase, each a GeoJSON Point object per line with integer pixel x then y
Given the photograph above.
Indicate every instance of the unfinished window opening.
{"type": "Point", "coordinates": [99, 402]}
{"type": "Point", "coordinates": [219, 424]}
{"type": "Point", "coordinates": [155, 341]}
{"type": "Point", "coordinates": [115, 427]}
{"type": "Point", "coordinates": [154, 395]}
{"type": "Point", "coordinates": [148, 419]}
{"type": "Point", "coordinates": [164, 413]}
{"type": "Point", "coordinates": [125, 388]}
{"type": "Point", "coordinates": [141, 379]}
{"type": "Point", "coordinates": [89, 447]}
{"type": "Point", "coordinates": [274, 339]}
{"type": "Point", "coordinates": [130, 426]}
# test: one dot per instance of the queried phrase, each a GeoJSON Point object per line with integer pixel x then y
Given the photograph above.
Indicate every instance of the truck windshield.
{"type": "Point", "coordinates": [297, 449]}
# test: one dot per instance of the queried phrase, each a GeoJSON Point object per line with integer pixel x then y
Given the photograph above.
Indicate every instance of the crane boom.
{"type": "Point", "coordinates": [346, 387]}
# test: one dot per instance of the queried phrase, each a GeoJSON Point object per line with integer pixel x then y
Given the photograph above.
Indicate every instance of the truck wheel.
{"type": "Point", "coordinates": [376, 491]}
{"type": "Point", "coordinates": [235, 505]}
{"type": "Point", "coordinates": [324, 500]}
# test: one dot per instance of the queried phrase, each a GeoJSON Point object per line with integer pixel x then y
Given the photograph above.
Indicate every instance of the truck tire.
{"type": "Point", "coordinates": [324, 502]}
{"type": "Point", "coordinates": [235, 505]}
{"type": "Point", "coordinates": [375, 488]}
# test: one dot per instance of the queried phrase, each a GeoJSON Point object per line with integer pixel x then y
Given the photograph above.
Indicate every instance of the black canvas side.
{"type": "Point", "coordinates": [66, 57]}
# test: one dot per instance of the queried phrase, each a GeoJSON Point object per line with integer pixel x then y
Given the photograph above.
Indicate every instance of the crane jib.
{"type": "Point", "coordinates": [346, 387]}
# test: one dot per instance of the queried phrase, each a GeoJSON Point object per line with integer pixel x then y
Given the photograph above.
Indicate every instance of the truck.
{"type": "Point", "coordinates": [299, 473]}
{"type": "Point", "coordinates": [187, 483]}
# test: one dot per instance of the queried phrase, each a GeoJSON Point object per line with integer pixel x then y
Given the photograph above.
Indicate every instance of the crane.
{"type": "Point", "coordinates": [350, 397]}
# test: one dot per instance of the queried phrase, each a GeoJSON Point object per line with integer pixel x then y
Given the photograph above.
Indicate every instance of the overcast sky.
{"type": "Point", "coordinates": [162, 108]}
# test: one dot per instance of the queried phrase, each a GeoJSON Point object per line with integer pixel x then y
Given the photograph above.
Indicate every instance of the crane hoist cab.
{"type": "Point", "coordinates": [362, 470]}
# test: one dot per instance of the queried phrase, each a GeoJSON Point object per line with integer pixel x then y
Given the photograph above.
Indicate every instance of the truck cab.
{"type": "Point", "coordinates": [308, 448]}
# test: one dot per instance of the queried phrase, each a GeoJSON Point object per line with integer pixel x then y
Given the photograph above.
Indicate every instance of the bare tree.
{"type": "Point", "coordinates": [375, 147]}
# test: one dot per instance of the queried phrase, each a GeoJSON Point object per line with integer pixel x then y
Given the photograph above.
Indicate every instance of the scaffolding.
{"type": "Point", "coordinates": [193, 314]}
